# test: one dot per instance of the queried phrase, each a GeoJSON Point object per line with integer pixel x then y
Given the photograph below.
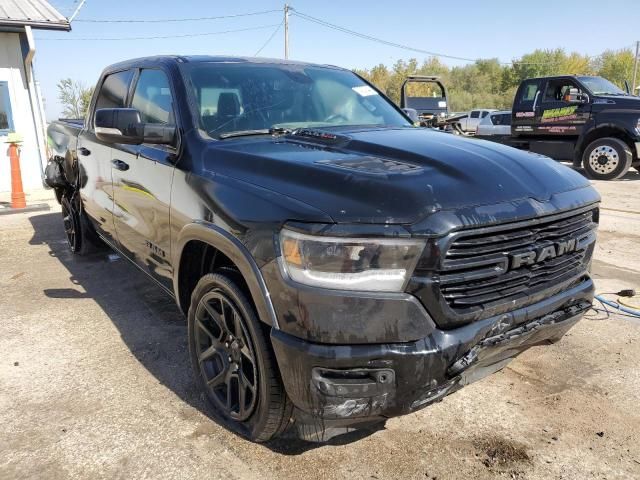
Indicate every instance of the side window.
{"type": "Point", "coordinates": [528, 91]}
{"type": "Point", "coordinates": [113, 93]}
{"type": "Point", "coordinates": [557, 89]}
{"type": "Point", "coordinates": [506, 119]}
{"type": "Point", "coordinates": [475, 114]}
{"type": "Point", "coordinates": [6, 118]}
{"type": "Point", "coordinates": [152, 98]}
{"type": "Point", "coordinates": [496, 119]}
{"type": "Point", "coordinates": [484, 113]}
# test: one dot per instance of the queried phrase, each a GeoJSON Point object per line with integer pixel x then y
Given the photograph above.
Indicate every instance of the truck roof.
{"type": "Point", "coordinates": [172, 59]}
{"type": "Point", "coordinates": [567, 75]}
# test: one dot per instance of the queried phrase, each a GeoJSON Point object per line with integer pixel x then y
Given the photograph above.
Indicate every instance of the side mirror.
{"type": "Point", "coordinates": [576, 96]}
{"type": "Point", "coordinates": [123, 125]}
{"type": "Point", "coordinates": [412, 113]}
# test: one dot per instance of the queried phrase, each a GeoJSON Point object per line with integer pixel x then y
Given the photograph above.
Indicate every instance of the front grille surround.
{"type": "Point", "coordinates": [473, 278]}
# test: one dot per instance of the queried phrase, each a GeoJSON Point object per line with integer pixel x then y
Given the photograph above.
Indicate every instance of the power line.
{"type": "Point", "coordinates": [167, 20]}
{"type": "Point", "coordinates": [269, 39]}
{"type": "Point", "coordinates": [374, 39]}
{"type": "Point", "coordinates": [261, 27]}
{"type": "Point", "coordinates": [324, 23]}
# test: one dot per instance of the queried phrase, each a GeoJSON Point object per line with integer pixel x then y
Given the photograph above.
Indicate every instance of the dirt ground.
{"type": "Point", "coordinates": [95, 383]}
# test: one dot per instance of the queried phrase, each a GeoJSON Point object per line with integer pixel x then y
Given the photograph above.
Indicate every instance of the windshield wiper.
{"type": "Point", "coordinates": [261, 131]}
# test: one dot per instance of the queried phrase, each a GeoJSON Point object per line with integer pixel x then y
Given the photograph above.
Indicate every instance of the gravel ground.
{"type": "Point", "coordinates": [95, 383]}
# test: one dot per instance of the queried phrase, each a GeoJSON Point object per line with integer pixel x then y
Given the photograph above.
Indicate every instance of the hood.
{"type": "Point", "coordinates": [390, 175]}
{"type": "Point", "coordinates": [617, 102]}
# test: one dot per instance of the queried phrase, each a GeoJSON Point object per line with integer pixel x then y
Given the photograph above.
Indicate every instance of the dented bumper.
{"type": "Point", "coordinates": [343, 385]}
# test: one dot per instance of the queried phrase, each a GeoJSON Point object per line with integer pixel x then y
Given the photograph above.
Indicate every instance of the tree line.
{"type": "Point", "coordinates": [490, 84]}
{"type": "Point", "coordinates": [483, 84]}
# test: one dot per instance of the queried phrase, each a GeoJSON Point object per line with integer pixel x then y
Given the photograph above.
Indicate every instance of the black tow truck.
{"type": "Point", "coordinates": [586, 120]}
{"type": "Point", "coordinates": [337, 265]}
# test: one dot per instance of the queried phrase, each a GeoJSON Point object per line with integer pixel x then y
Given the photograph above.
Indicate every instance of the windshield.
{"type": "Point", "coordinates": [601, 86]}
{"type": "Point", "coordinates": [233, 97]}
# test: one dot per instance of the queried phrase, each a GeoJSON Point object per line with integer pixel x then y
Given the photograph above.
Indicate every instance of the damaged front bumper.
{"type": "Point", "coordinates": [338, 387]}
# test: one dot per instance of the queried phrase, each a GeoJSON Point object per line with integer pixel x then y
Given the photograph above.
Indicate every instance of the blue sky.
{"type": "Point", "coordinates": [465, 28]}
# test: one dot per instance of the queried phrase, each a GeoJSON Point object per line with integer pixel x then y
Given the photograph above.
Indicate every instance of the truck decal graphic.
{"type": "Point", "coordinates": [557, 114]}
{"type": "Point", "coordinates": [559, 128]}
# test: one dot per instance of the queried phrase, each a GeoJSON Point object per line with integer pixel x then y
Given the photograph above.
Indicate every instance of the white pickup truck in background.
{"type": "Point", "coordinates": [470, 123]}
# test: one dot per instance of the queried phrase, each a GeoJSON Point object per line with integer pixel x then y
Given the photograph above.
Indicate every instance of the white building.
{"type": "Point", "coordinates": [21, 108]}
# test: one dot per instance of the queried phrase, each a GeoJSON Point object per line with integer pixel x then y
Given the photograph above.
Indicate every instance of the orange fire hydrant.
{"type": "Point", "coordinates": [18, 199]}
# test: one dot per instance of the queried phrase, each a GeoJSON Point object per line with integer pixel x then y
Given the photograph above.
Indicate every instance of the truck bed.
{"type": "Point", "coordinates": [62, 137]}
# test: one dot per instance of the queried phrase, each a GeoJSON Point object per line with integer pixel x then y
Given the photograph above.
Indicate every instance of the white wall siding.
{"type": "Point", "coordinates": [12, 71]}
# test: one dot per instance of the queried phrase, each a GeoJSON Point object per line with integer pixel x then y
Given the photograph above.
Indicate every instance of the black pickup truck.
{"type": "Point", "coordinates": [337, 266]}
{"type": "Point", "coordinates": [586, 120]}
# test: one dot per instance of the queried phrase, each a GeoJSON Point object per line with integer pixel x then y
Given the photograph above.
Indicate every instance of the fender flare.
{"type": "Point", "coordinates": [231, 247]}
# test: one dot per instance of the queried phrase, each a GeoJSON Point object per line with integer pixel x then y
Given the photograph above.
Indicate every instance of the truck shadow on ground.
{"type": "Point", "coordinates": [148, 320]}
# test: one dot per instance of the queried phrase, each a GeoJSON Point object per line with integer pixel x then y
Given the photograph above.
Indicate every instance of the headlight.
{"type": "Point", "coordinates": [364, 264]}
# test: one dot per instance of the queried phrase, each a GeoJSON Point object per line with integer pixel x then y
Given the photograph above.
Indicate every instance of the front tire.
{"type": "Point", "coordinates": [232, 360]}
{"type": "Point", "coordinates": [607, 159]}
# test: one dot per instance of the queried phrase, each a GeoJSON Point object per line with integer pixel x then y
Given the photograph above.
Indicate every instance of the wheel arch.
{"type": "Point", "coordinates": [602, 131]}
{"type": "Point", "coordinates": [202, 233]}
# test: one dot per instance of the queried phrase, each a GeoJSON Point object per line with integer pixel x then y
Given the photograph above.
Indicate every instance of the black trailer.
{"type": "Point", "coordinates": [431, 106]}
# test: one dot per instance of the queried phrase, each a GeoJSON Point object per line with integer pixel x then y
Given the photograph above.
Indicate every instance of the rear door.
{"type": "Point", "coordinates": [485, 127]}
{"type": "Point", "coordinates": [502, 122]}
{"type": "Point", "coordinates": [471, 122]}
{"type": "Point", "coordinates": [557, 116]}
{"type": "Point", "coordinates": [142, 178]}
{"type": "Point", "coordinates": [483, 115]}
{"type": "Point", "coordinates": [526, 105]}
{"type": "Point", "coordinates": [504, 126]}
{"type": "Point", "coordinates": [94, 156]}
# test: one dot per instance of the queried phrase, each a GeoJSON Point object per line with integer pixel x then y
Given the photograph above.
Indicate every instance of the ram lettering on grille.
{"type": "Point", "coordinates": [498, 264]}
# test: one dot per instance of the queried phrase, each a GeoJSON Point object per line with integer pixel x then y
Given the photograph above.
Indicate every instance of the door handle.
{"type": "Point", "coordinates": [84, 151]}
{"type": "Point", "coordinates": [120, 165]}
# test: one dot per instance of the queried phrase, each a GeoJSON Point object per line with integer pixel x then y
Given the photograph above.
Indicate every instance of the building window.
{"type": "Point", "coordinates": [6, 118]}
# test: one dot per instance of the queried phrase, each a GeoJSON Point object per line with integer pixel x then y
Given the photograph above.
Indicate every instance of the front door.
{"type": "Point", "coordinates": [525, 106]}
{"type": "Point", "coordinates": [94, 157]}
{"type": "Point", "coordinates": [558, 116]}
{"type": "Point", "coordinates": [142, 177]}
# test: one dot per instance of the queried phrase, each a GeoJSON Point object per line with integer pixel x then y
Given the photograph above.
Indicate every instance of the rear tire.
{"type": "Point", "coordinates": [233, 362]}
{"type": "Point", "coordinates": [607, 158]}
{"type": "Point", "coordinates": [80, 237]}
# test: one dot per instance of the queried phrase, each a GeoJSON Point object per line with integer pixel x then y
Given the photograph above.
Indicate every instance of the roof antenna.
{"type": "Point", "coordinates": [77, 11]}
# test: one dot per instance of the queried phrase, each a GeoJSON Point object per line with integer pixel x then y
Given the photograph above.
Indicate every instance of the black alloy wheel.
{"type": "Point", "coordinates": [233, 360]}
{"type": "Point", "coordinates": [71, 222]}
{"type": "Point", "coordinates": [226, 356]}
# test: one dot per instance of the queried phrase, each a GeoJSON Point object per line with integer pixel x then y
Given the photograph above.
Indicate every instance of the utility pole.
{"type": "Point", "coordinates": [635, 69]}
{"type": "Point", "coordinates": [286, 31]}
